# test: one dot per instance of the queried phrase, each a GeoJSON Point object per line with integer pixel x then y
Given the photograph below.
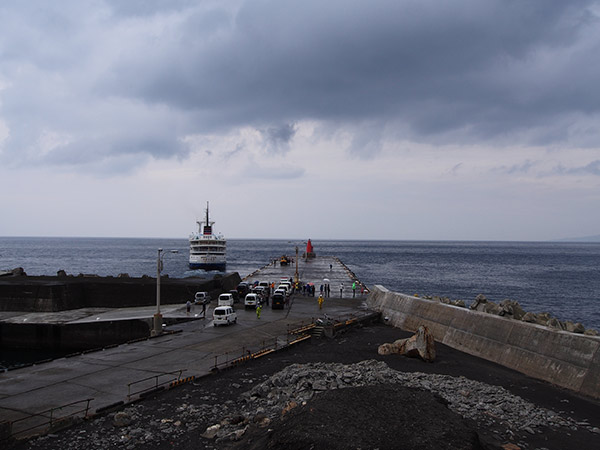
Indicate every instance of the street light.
{"type": "Point", "coordinates": [157, 329]}
{"type": "Point", "coordinates": [296, 274]}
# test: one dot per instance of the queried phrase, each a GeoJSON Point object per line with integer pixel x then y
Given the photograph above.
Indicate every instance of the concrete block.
{"type": "Point", "coordinates": [566, 359]}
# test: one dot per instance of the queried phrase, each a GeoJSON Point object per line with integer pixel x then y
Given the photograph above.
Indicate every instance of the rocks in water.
{"type": "Point", "coordinates": [479, 300]}
{"type": "Point", "coordinates": [18, 272]}
{"type": "Point", "coordinates": [555, 323]}
{"type": "Point", "coordinates": [420, 345]}
{"type": "Point", "coordinates": [574, 327]}
{"type": "Point", "coordinates": [511, 309]}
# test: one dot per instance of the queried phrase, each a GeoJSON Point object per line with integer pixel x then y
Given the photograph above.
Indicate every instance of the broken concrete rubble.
{"type": "Point", "coordinates": [420, 345]}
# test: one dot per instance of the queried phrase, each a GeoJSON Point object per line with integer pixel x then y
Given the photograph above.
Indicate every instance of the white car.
{"type": "Point", "coordinates": [225, 300]}
{"type": "Point", "coordinates": [287, 285]}
{"type": "Point", "coordinates": [281, 291]}
{"type": "Point", "coordinates": [202, 298]}
{"type": "Point", "coordinates": [224, 315]}
{"type": "Point", "coordinates": [251, 300]}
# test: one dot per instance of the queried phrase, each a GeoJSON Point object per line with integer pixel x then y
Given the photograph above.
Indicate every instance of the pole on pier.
{"type": "Point", "coordinates": [157, 321]}
{"type": "Point", "coordinates": [297, 264]}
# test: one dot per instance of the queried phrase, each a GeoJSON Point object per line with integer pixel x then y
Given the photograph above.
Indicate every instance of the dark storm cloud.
{"type": "Point", "coordinates": [454, 72]}
{"type": "Point", "coordinates": [278, 138]}
{"type": "Point", "coordinates": [438, 67]}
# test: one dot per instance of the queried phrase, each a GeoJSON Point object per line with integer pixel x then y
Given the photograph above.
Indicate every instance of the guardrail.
{"type": "Point", "coordinates": [156, 385]}
{"type": "Point", "coordinates": [46, 420]}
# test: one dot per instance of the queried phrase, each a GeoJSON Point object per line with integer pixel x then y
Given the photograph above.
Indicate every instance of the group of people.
{"type": "Point", "coordinates": [188, 308]}
{"type": "Point", "coordinates": [354, 287]}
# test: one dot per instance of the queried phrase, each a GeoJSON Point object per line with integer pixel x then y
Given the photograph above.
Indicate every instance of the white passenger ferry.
{"type": "Point", "coordinates": [207, 249]}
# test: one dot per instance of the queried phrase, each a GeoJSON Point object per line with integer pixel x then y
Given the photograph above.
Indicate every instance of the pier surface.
{"type": "Point", "coordinates": [30, 396]}
{"type": "Point", "coordinates": [318, 271]}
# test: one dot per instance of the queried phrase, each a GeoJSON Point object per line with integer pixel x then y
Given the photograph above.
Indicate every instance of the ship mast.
{"type": "Point", "coordinates": [207, 228]}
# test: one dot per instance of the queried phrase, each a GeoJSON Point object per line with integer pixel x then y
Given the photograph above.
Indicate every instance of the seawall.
{"type": "Point", "coordinates": [72, 336]}
{"type": "Point", "coordinates": [54, 293]}
{"type": "Point", "coordinates": [568, 360]}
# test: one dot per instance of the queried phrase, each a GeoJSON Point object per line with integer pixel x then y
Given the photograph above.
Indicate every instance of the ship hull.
{"type": "Point", "coordinates": [208, 266]}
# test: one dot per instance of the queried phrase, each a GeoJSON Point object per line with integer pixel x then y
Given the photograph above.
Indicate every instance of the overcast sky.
{"type": "Point", "coordinates": [343, 119]}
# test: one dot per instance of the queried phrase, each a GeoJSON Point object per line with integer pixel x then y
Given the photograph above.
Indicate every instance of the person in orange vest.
{"type": "Point", "coordinates": [321, 300]}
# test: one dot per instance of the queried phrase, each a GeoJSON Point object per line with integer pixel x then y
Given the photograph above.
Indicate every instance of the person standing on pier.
{"type": "Point", "coordinates": [188, 307]}
{"type": "Point", "coordinates": [342, 290]}
{"type": "Point", "coordinates": [321, 300]}
{"type": "Point", "coordinates": [354, 289]}
{"type": "Point", "coordinates": [258, 310]}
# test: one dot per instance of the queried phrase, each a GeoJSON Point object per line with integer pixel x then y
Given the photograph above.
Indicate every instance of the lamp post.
{"type": "Point", "coordinates": [297, 265]}
{"type": "Point", "coordinates": [157, 328]}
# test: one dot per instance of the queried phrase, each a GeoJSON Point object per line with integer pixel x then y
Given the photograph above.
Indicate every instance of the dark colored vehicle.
{"type": "Point", "coordinates": [277, 301]}
{"type": "Point", "coordinates": [242, 289]}
{"type": "Point", "coordinates": [236, 296]}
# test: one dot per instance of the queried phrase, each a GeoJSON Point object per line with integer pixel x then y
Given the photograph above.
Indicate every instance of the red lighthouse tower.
{"type": "Point", "coordinates": [309, 250]}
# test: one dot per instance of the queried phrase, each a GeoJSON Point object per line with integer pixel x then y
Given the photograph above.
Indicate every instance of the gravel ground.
{"type": "Point", "coordinates": [339, 393]}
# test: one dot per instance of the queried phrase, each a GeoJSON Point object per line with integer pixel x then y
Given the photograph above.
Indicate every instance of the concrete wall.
{"type": "Point", "coordinates": [565, 359]}
{"type": "Point", "coordinates": [74, 336]}
{"type": "Point", "coordinates": [46, 294]}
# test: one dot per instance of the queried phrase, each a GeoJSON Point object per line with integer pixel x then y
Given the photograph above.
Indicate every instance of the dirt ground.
{"type": "Point", "coordinates": [384, 417]}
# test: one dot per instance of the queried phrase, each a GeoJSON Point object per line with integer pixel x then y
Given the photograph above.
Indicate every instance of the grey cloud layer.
{"type": "Point", "coordinates": [136, 77]}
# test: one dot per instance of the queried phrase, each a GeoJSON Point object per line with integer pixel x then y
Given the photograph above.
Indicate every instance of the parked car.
{"type": "Point", "coordinates": [278, 300]}
{"type": "Point", "coordinates": [281, 291]}
{"type": "Point", "coordinates": [287, 285]}
{"type": "Point", "coordinates": [236, 296]}
{"type": "Point", "coordinates": [266, 286]}
{"type": "Point", "coordinates": [260, 291]}
{"type": "Point", "coordinates": [224, 315]}
{"type": "Point", "coordinates": [263, 293]}
{"type": "Point", "coordinates": [252, 300]}
{"type": "Point", "coordinates": [225, 300]}
{"type": "Point", "coordinates": [202, 298]}
{"type": "Point", "coordinates": [286, 288]}
{"type": "Point", "coordinates": [242, 289]}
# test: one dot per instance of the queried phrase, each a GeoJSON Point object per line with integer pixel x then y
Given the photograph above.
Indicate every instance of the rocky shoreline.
{"type": "Point", "coordinates": [511, 309]}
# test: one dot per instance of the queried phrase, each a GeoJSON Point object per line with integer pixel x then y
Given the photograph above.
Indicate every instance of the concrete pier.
{"type": "Point", "coordinates": [33, 397]}
{"type": "Point", "coordinates": [319, 270]}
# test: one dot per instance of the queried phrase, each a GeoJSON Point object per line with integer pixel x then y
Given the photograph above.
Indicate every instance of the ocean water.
{"type": "Point", "coordinates": [560, 278]}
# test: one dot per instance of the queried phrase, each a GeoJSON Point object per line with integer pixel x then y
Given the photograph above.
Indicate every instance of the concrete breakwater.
{"type": "Point", "coordinates": [66, 313]}
{"type": "Point", "coordinates": [59, 293]}
{"type": "Point", "coordinates": [565, 359]}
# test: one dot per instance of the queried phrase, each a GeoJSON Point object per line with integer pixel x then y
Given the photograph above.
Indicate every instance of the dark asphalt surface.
{"type": "Point", "coordinates": [360, 344]}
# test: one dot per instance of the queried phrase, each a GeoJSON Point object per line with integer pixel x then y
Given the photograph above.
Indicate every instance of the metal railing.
{"type": "Point", "coordinates": [156, 384]}
{"type": "Point", "coordinates": [49, 419]}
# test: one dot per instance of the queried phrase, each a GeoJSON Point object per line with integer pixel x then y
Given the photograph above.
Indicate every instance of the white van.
{"type": "Point", "coordinates": [202, 298]}
{"type": "Point", "coordinates": [225, 300]}
{"type": "Point", "coordinates": [224, 315]}
{"type": "Point", "coordinates": [251, 300]}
